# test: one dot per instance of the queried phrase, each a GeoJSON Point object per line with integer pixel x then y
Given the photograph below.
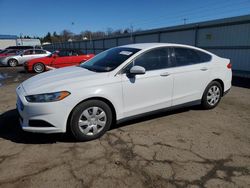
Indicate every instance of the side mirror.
{"type": "Point", "coordinates": [21, 54]}
{"type": "Point", "coordinates": [137, 70]}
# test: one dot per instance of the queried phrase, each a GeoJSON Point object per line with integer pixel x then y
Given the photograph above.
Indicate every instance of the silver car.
{"type": "Point", "coordinates": [22, 57]}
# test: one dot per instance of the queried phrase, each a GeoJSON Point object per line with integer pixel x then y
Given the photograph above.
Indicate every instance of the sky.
{"type": "Point", "coordinates": [36, 18]}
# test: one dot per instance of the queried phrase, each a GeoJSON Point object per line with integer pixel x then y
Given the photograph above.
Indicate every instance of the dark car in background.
{"type": "Point", "coordinates": [23, 47]}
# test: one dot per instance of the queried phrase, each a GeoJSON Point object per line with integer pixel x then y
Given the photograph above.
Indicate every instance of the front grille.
{"type": "Point", "coordinates": [20, 104]}
{"type": "Point", "coordinates": [20, 117]}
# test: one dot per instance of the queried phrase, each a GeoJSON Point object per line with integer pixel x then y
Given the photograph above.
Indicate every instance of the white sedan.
{"type": "Point", "coordinates": [121, 83]}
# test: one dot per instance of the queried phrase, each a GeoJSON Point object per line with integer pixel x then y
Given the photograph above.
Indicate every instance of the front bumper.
{"type": "Point", "coordinates": [41, 117]}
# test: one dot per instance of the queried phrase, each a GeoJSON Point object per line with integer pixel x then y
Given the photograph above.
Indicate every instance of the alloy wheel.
{"type": "Point", "coordinates": [92, 121]}
{"type": "Point", "coordinates": [12, 63]}
{"type": "Point", "coordinates": [39, 68]}
{"type": "Point", "coordinates": [213, 95]}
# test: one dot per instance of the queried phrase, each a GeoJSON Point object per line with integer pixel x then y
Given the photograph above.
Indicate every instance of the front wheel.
{"type": "Point", "coordinates": [12, 62]}
{"type": "Point", "coordinates": [39, 68]}
{"type": "Point", "coordinates": [90, 120]}
{"type": "Point", "coordinates": [212, 95]}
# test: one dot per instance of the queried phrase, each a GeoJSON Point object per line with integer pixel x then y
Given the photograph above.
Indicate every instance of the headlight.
{"type": "Point", "coordinates": [48, 97]}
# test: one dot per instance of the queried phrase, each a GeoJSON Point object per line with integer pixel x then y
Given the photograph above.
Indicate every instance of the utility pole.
{"type": "Point", "coordinates": [90, 38]}
{"type": "Point", "coordinates": [131, 32]}
{"type": "Point", "coordinates": [184, 21]}
{"type": "Point", "coordinates": [21, 37]}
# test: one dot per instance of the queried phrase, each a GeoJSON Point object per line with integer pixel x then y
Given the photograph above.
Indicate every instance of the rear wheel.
{"type": "Point", "coordinates": [39, 68]}
{"type": "Point", "coordinates": [212, 95]}
{"type": "Point", "coordinates": [90, 120]}
{"type": "Point", "coordinates": [12, 62]}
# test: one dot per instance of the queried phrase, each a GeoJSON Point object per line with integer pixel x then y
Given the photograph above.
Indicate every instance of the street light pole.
{"type": "Point", "coordinates": [185, 21]}
{"type": "Point", "coordinates": [131, 32]}
{"type": "Point", "coordinates": [21, 37]}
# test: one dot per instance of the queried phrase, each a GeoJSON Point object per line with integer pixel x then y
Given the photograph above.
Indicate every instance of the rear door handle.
{"type": "Point", "coordinates": [165, 74]}
{"type": "Point", "coordinates": [204, 69]}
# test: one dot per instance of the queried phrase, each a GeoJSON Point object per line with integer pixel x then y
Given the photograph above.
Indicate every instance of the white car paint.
{"type": "Point", "coordinates": [154, 90]}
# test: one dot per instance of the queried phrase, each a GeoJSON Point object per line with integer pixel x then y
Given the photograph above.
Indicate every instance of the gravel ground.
{"type": "Point", "coordinates": [183, 148]}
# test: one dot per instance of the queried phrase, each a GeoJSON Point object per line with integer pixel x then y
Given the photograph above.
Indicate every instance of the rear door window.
{"type": "Point", "coordinates": [40, 52]}
{"type": "Point", "coordinates": [28, 52]}
{"type": "Point", "coordinates": [63, 53]}
{"type": "Point", "coordinates": [186, 56]}
{"type": "Point", "coordinates": [77, 53]}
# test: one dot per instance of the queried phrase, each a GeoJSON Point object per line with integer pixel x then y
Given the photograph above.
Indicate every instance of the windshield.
{"type": "Point", "coordinates": [52, 53]}
{"type": "Point", "coordinates": [109, 59]}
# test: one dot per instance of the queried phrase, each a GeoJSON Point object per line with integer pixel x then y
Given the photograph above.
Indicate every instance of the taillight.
{"type": "Point", "coordinates": [229, 65]}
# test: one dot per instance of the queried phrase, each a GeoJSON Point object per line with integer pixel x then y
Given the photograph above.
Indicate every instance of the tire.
{"type": "Point", "coordinates": [12, 62]}
{"type": "Point", "coordinates": [90, 120]}
{"type": "Point", "coordinates": [38, 67]}
{"type": "Point", "coordinates": [212, 95]}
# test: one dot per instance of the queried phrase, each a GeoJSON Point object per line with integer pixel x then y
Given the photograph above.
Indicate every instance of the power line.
{"type": "Point", "coordinates": [190, 13]}
{"type": "Point", "coordinates": [164, 16]}
{"type": "Point", "coordinates": [211, 14]}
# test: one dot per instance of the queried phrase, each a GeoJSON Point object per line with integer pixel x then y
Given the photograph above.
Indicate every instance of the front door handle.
{"type": "Point", "coordinates": [165, 74]}
{"type": "Point", "coordinates": [204, 69]}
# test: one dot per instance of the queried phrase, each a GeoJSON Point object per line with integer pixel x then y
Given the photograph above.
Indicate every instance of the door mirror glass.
{"type": "Point", "coordinates": [137, 70]}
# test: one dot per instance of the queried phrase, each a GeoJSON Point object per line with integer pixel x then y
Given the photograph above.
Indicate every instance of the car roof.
{"type": "Point", "coordinates": [143, 46]}
{"type": "Point", "coordinates": [153, 45]}
{"type": "Point", "coordinates": [33, 49]}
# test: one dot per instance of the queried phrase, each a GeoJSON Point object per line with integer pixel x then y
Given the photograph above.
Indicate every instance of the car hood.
{"type": "Point", "coordinates": [62, 79]}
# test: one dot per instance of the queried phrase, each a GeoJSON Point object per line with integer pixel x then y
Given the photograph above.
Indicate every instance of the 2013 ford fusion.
{"type": "Point", "coordinates": [121, 83]}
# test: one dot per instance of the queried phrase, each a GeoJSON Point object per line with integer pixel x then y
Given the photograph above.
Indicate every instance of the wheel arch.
{"type": "Point", "coordinates": [108, 102]}
{"type": "Point", "coordinates": [12, 58]}
{"type": "Point", "coordinates": [33, 65]}
{"type": "Point", "coordinates": [221, 83]}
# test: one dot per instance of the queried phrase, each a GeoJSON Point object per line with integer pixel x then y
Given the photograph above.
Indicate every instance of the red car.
{"type": "Point", "coordinates": [58, 59]}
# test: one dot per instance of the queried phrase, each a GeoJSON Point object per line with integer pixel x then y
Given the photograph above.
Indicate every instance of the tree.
{"type": "Point", "coordinates": [47, 38]}
{"type": "Point", "coordinates": [27, 37]}
{"type": "Point", "coordinates": [55, 37]}
{"type": "Point", "coordinates": [66, 35]}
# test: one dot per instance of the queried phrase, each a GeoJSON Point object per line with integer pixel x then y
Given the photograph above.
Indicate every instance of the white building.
{"type": "Point", "coordinates": [13, 40]}
{"type": "Point", "coordinates": [7, 40]}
